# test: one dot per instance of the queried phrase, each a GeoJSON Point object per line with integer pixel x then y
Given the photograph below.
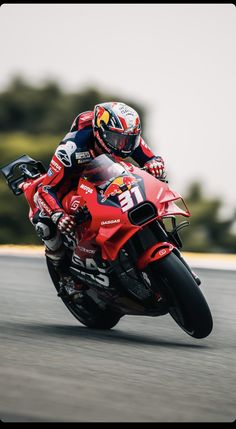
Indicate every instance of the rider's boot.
{"type": "Point", "coordinates": [68, 286]}
{"type": "Point", "coordinates": [51, 237]}
{"type": "Point", "coordinates": [74, 289]}
{"type": "Point", "coordinates": [56, 253]}
{"type": "Point", "coordinates": [56, 256]}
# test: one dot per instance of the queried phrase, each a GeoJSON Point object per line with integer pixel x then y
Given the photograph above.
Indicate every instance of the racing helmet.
{"type": "Point", "coordinates": [116, 128]}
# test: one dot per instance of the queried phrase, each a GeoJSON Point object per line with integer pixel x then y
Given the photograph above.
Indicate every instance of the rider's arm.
{"type": "Point", "coordinates": [60, 168]}
{"type": "Point", "coordinates": [144, 156]}
{"type": "Point", "coordinates": [70, 157]}
{"type": "Point", "coordinates": [142, 153]}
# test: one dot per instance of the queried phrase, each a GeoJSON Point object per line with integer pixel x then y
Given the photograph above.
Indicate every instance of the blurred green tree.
{"type": "Point", "coordinates": [47, 108]}
{"type": "Point", "coordinates": [207, 231]}
{"type": "Point", "coordinates": [33, 120]}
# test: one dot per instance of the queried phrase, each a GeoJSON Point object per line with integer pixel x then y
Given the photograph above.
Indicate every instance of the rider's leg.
{"type": "Point", "coordinates": [55, 251]}
{"type": "Point", "coordinates": [51, 237]}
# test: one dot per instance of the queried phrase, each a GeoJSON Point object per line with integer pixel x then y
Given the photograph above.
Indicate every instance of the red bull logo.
{"type": "Point", "coordinates": [116, 186]}
{"type": "Point", "coordinates": [102, 115]}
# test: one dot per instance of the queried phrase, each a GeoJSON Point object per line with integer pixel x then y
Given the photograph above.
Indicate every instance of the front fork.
{"type": "Point", "coordinates": [195, 276]}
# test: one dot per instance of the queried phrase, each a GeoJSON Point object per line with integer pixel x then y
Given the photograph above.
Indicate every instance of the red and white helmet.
{"type": "Point", "coordinates": [117, 128]}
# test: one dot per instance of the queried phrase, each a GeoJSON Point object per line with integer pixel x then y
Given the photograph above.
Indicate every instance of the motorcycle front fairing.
{"type": "Point", "coordinates": [122, 200]}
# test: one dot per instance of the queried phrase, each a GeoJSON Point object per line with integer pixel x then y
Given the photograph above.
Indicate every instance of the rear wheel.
{"type": "Point", "coordinates": [187, 304]}
{"type": "Point", "coordinates": [89, 314]}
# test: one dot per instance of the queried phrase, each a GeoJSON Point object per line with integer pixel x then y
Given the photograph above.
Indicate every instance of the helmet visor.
{"type": "Point", "coordinates": [124, 143]}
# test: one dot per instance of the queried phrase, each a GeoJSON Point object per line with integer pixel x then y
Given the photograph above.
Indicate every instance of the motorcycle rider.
{"type": "Point", "coordinates": [113, 128]}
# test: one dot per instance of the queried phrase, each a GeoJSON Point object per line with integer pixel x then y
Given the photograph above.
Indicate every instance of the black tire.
{"type": "Point", "coordinates": [90, 315]}
{"type": "Point", "coordinates": [187, 304]}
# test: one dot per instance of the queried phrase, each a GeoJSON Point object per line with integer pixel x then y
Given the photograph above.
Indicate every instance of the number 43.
{"type": "Point", "coordinates": [128, 198]}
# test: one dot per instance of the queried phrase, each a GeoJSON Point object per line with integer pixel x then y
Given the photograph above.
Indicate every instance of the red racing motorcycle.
{"type": "Point", "coordinates": [127, 253]}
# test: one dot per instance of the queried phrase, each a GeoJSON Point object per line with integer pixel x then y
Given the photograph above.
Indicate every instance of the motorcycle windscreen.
{"type": "Point", "coordinates": [102, 169]}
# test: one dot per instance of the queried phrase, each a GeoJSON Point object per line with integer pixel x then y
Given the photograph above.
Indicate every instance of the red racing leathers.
{"type": "Point", "coordinates": [71, 156]}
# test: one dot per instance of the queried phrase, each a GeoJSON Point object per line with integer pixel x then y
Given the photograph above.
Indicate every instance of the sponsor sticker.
{"type": "Point", "coordinates": [55, 165]}
{"type": "Point", "coordinates": [64, 152]}
{"type": "Point", "coordinates": [86, 188]}
{"type": "Point", "coordinates": [82, 157]}
{"type": "Point", "coordinates": [50, 172]}
{"type": "Point", "coordinates": [83, 249]}
{"type": "Point", "coordinates": [64, 157]}
{"type": "Point", "coordinates": [110, 222]}
{"type": "Point", "coordinates": [115, 187]}
{"type": "Point", "coordinates": [75, 205]}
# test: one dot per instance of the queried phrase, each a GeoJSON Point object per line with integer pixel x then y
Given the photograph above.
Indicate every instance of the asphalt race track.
{"type": "Point", "coordinates": [53, 369]}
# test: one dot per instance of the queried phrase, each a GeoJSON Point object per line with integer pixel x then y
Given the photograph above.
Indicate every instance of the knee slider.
{"type": "Point", "coordinates": [43, 231]}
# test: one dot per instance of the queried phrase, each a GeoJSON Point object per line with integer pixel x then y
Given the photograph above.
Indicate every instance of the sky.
{"type": "Point", "coordinates": [177, 60]}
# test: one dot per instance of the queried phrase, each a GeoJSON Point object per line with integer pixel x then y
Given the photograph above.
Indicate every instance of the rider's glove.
{"type": "Point", "coordinates": [156, 167]}
{"type": "Point", "coordinates": [64, 222]}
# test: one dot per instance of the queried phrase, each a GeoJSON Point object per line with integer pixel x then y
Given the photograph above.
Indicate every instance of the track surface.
{"type": "Point", "coordinates": [53, 369]}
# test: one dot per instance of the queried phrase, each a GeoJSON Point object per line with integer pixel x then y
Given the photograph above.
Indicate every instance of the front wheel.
{"type": "Point", "coordinates": [186, 302]}
{"type": "Point", "coordinates": [90, 314]}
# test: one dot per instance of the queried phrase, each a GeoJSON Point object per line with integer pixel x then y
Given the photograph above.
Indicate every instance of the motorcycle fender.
{"type": "Point", "coordinates": [153, 253]}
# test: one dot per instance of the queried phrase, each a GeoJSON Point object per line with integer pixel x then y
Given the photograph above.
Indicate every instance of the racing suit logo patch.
{"type": "Point", "coordinates": [64, 152]}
